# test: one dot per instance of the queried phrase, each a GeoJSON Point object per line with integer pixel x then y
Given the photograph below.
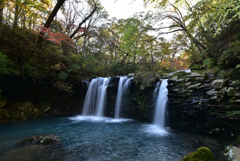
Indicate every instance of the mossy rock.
{"type": "Point", "coordinates": [202, 154]}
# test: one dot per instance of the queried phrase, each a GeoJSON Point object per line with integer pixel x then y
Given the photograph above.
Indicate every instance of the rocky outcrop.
{"type": "Point", "coordinates": [22, 100]}
{"type": "Point", "coordinates": [205, 102]}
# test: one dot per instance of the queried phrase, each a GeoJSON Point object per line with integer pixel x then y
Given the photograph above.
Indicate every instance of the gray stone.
{"type": "Point", "coordinates": [231, 92]}
{"type": "Point", "coordinates": [213, 98]}
{"type": "Point", "coordinates": [187, 84]}
{"type": "Point", "coordinates": [196, 75]}
{"type": "Point", "coordinates": [174, 79]}
{"type": "Point", "coordinates": [223, 90]}
{"type": "Point", "coordinates": [235, 83]}
{"type": "Point", "coordinates": [131, 74]}
{"type": "Point", "coordinates": [219, 83]}
{"type": "Point", "coordinates": [212, 93]}
{"type": "Point", "coordinates": [194, 86]}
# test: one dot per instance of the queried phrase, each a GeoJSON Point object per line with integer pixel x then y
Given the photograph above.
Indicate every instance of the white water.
{"type": "Point", "coordinates": [96, 97]}
{"type": "Point", "coordinates": [160, 107]}
{"type": "Point", "coordinates": [123, 85]}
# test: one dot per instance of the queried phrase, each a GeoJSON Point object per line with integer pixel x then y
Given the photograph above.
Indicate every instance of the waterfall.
{"type": "Point", "coordinates": [122, 94]}
{"type": "Point", "coordinates": [96, 97]}
{"type": "Point", "coordinates": [160, 107]}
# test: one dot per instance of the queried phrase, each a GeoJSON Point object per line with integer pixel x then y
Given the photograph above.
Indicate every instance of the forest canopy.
{"type": "Point", "coordinates": [59, 41]}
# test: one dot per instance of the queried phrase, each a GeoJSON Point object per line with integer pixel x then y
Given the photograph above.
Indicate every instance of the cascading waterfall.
{"type": "Point", "coordinates": [160, 107]}
{"type": "Point", "coordinates": [96, 97]}
{"type": "Point", "coordinates": [123, 85]}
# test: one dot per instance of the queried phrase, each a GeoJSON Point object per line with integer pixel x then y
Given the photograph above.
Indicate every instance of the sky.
{"type": "Point", "coordinates": [122, 8]}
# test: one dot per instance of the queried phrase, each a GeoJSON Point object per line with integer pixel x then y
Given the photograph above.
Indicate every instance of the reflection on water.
{"type": "Point", "coordinates": [93, 139]}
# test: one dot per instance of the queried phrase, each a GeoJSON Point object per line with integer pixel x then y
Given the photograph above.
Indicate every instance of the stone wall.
{"type": "Point", "coordinates": [205, 102]}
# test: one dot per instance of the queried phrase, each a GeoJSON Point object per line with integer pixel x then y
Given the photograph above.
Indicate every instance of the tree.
{"type": "Point", "coordinates": [49, 20]}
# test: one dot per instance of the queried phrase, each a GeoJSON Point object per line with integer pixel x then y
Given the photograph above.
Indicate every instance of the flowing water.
{"type": "Point", "coordinates": [96, 97]}
{"type": "Point", "coordinates": [160, 107]}
{"type": "Point", "coordinates": [122, 94]}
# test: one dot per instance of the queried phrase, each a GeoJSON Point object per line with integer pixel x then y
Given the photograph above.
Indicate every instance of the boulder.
{"type": "Point", "coordinates": [41, 139]}
{"type": "Point", "coordinates": [149, 78]}
{"type": "Point", "coordinates": [219, 83]}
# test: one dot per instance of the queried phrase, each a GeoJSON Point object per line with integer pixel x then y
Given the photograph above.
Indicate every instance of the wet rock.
{"type": "Point", "coordinates": [41, 139]}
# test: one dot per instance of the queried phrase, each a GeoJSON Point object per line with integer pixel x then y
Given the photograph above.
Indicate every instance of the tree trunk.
{"type": "Point", "coordinates": [124, 59]}
{"type": "Point", "coordinates": [49, 20]}
{"type": "Point", "coordinates": [16, 15]}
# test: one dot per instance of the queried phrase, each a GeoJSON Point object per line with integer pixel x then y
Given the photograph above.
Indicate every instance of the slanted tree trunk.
{"type": "Point", "coordinates": [49, 20]}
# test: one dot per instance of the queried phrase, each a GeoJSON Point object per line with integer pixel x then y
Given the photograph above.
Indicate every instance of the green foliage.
{"type": "Point", "coordinates": [116, 69]}
{"type": "Point", "coordinates": [7, 65]}
{"type": "Point", "coordinates": [208, 62]}
{"type": "Point", "coordinates": [202, 154]}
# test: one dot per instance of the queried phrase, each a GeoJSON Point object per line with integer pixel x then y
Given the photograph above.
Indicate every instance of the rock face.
{"type": "Point", "coordinates": [41, 139]}
{"type": "Point", "coordinates": [204, 105]}
{"type": "Point", "coordinates": [25, 100]}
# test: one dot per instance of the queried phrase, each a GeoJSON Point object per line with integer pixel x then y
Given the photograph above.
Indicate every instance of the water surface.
{"type": "Point", "coordinates": [93, 139]}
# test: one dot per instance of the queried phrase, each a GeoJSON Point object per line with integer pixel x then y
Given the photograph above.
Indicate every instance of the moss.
{"type": "Point", "coordinates": [232, 100]}
{"type": "Point", "coordinates": [232, 113]}
{"type": "Point", "coordinates": [202, 154]}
